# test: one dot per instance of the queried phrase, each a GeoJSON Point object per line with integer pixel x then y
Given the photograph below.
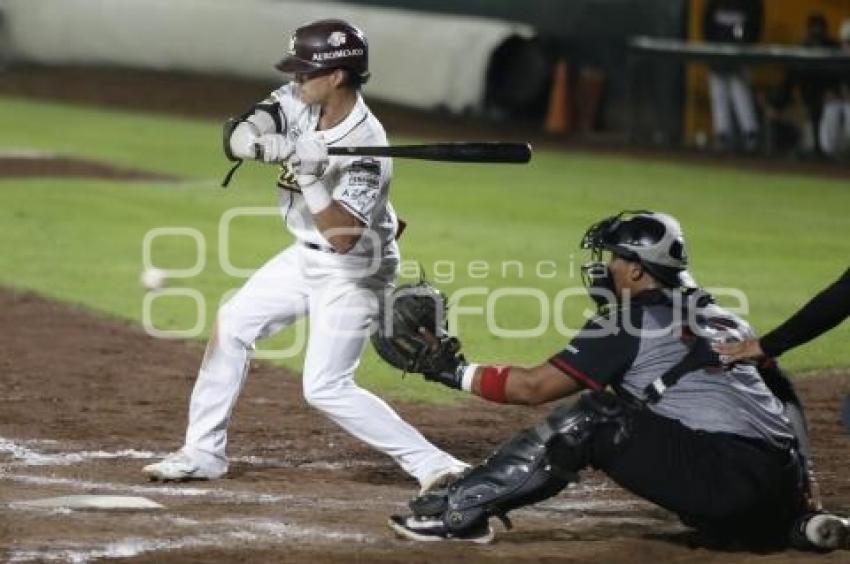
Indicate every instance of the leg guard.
{"type": "Point", "coordinates": [778, 382]}
{"type": "Point", "coordinates": [534, 465]}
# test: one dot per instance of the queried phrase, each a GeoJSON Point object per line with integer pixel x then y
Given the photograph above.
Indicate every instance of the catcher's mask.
{"type": "Point", "coordinates": [325, 45]}
{"type": "Point", "coordinates": [655, 240]}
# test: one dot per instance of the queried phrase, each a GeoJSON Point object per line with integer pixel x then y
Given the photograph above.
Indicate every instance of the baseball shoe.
{"type": "Point", "coordinates": [825, 531]}
{"type": "Point", "coordinates": [179, 467]}
{"type": "Point", "coordinates": [442, 479]}
{"type": "Point", "coordinates": [432, 529]}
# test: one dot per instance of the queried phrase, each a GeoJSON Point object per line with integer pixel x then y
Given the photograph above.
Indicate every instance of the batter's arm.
{"type": "Point", "coordinates": [339, 227]}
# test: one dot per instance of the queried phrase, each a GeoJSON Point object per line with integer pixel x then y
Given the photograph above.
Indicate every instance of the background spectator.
{"type": "Point", "coordinates": [834, 130]}
{"type": "Point", "coordinates": [732, 21]}
{"type": "Point", "coordinates": [810, 84]}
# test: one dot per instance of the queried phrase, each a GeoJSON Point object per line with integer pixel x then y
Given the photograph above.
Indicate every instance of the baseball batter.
{"type": "Point", "coordinates": [345, 257]}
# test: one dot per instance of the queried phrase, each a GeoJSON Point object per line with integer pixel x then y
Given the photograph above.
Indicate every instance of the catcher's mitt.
{"type": "Point", "coordinates": [400, 340]}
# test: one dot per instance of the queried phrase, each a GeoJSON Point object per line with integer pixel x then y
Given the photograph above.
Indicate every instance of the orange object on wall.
{"type": "Point", "coordinates": [559, 114]}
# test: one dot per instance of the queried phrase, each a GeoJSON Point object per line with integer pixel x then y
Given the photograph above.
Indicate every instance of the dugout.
{"type": "Point", "coordinates": [666, 103]}
{"type": "Point", "coordinates": [649, 117]}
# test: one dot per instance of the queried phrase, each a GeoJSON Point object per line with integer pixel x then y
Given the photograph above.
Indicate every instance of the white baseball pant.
{"type": "Point", "coordinates": [297, 282]}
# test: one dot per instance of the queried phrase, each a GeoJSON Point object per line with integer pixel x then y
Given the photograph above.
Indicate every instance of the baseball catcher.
{"type": "Point", "coordinates": [720, 446]}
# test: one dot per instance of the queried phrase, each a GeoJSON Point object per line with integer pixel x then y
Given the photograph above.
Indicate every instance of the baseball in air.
{"type": "Point", "coordinates": [153, 278]}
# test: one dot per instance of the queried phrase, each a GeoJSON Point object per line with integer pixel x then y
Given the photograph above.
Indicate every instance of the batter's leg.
{"type": "Point", "coordinates": [273, 298]}
{"type": "Point", "coordinates": [340, 316]}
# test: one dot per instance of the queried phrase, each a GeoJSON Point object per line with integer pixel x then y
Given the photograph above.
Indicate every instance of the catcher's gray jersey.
{"type": "Point", "coordinates": [643, 342]}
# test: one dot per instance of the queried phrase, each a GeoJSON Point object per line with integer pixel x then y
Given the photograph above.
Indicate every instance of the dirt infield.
{"type": "Point", "coordinates": [42, 166]}
{"type": "Point", "coordinates": [85, 402]}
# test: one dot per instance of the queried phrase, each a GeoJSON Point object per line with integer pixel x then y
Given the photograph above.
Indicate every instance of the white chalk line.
{"type": "Point", "coordinates": [264, 531]}
{"type": "Point", "coordinates": [584, 505]}
{"type": "Point", "coordinates": [229, 496]}
{"type": "Point", "coordinates": [30, 457]}
{"type": "Point", "coordinates": [215, 493]}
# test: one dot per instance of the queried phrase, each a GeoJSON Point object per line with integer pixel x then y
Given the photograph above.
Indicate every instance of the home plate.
{"type": "Point", "coordinates": [91, 502]}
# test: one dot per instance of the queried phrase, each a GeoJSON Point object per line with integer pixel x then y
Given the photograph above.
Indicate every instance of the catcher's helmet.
{"type": "Point", "coordinates": [655, 240]}
{"type": "Point", "coordinates": [327, 44]}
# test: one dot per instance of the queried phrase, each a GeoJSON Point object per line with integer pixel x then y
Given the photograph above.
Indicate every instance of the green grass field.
{"type": "Point", "coordinates": [777, 238]}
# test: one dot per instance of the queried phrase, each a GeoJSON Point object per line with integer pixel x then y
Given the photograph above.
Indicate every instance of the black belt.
{"type": "Point", "coordinates": [321, 248]}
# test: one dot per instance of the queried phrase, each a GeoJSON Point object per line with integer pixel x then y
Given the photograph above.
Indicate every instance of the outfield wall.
{"type": "Point", "coordinates": [417, 59]}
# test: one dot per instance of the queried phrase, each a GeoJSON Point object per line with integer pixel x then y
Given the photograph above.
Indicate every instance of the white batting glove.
{"type": "Point", "coordinates": [242, 140]}
{"type": "Point", "coordinates": [311, 157]}
{"type": "Point", "coordinates": [273, 148]}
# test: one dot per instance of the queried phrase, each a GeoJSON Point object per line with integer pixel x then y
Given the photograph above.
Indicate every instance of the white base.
{"type": "Point", "coordinates": [91, 502]}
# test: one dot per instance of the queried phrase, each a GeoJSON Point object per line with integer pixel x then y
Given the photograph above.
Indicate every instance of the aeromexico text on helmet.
{"type": "Point", "coordinates": [338, 54]}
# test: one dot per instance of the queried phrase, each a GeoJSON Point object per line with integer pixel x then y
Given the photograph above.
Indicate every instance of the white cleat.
{"type": "Point", "coordinates": [442, 479]}
{"type": "Point", "coordinates": [828, 532]}
{"type": "Point", "coordinates": [432, 529]}
{"type": "Point", "coordinates": [178, 467]}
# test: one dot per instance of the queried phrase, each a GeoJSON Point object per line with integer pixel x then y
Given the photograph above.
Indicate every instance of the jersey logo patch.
{"type": "Point", "coordinates": [361, 198]}
{"type": "Point", "coordinates": [286, 179]}
{"type": "Point", "coordinates": [366, 165]}
{"type": "Point", "coordinates": [367, 180]}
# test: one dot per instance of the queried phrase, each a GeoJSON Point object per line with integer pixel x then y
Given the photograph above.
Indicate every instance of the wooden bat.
{"type": "Point", "coordinates": [460, 152]}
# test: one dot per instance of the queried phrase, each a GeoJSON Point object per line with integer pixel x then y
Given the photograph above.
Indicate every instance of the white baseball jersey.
{"type": "Point", "coordinates": [360, 184]}
{"type": "Point", "coordinates": [339, 293]}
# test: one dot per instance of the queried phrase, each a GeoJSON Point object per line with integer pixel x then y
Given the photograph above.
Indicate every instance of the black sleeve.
{"type": "Point", "coordinates": [599, 355]}
{"type": "Point", "coordinates": [822, 313]}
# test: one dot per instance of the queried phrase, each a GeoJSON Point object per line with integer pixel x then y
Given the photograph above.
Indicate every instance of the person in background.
{"type": "Point", "coordinates": [811, 84]}
{"type": "Point", "coordinates": [738, 22]}
{"type": "Point", "coordinates": [834, 127]}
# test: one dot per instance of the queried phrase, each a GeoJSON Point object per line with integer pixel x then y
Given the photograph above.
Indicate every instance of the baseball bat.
{"type": "Point", "coordinates": [461, 152]}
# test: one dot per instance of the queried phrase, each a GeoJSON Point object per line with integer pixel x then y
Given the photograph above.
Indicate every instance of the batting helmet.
{"type": "Point", "coordinates": [655, 240]}
{"type": "Point", "coordinates": [327, 44]}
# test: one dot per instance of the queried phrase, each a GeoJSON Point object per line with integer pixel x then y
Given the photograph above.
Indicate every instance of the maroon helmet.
{"type": "Point", "coordinates": [327, 44]}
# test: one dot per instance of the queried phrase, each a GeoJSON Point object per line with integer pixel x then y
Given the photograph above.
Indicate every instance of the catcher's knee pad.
{"type": "Point", "coordinates": [573, 427]}
{"type": "Point", "coordinates": [534, 465]}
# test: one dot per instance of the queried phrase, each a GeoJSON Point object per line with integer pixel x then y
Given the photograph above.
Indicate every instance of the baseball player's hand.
{"type": "Point", "coordinates": [311, 156]}
{"type": "Point", "coordinates": [742, 350]}
{"type": "Point", "coordinates": [443, 363]}
{"type": "Point", "coordinates": [273, 148]}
